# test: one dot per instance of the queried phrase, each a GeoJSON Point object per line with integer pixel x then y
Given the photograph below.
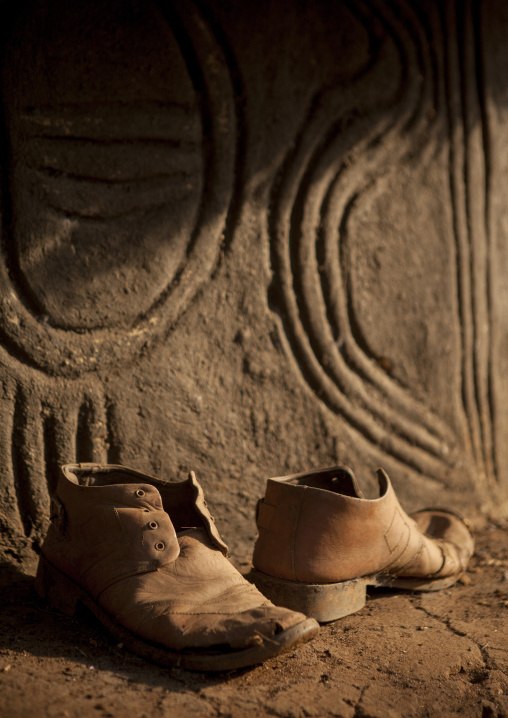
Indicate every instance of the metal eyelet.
{"type": "Point", "coordinates": [140, 493]}
{"type": "Point", "coordinates": [159, 546]}
{"type": "Point", "coordinates": [153, 525]}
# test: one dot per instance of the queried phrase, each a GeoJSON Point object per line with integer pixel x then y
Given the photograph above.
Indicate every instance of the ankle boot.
{"type": "Point", "coordinates": [321, 543]}
{"type": "Point", "coordinates": [145, 556]}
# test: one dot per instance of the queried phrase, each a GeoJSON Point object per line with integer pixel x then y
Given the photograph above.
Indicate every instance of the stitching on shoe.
{"type": "Point", "coordinates": [395, 513]}
{"type": "Point", "coordinates": [124, 534]}
{"type": "Point", "coordinates": [227, 594]}
{"type": "Point", "coordinates": [408, 540]}
{"type": "Point", "coordinates": [444, 552]}
{"type": "Point", "coordinates": [413, 558]}
{"type": "Point", "coordinates": [218, 599]}
{"type": "Point", "coordinates": [199, 611]}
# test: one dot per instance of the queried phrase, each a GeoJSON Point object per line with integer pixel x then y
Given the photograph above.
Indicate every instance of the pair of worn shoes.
{"type": "Point", "coordinates": [145, 556]}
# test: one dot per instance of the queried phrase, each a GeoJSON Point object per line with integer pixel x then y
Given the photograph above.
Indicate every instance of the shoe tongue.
{"type": "Point", "coordinates": [208, 519]}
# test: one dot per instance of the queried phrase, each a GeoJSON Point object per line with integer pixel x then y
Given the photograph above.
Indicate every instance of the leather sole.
{"type": "Point", "coordinates": [329, 601]}
{"type": "Point", "coordinates": [65, 595]}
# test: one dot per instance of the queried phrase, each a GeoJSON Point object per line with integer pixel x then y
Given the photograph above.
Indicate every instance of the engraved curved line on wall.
{"type": "Point", "coordinates": [11, 522]}
{"type": "Point", "coordinates": [296, 203]}
{"type": "Point", "coordinates": [369, 370]}
{"type": "Point", "coordinates": [476, 20]}
{"type": "Point", "coordinates": [468, 171]}
{"type": "Point", "coordinates": [345, 190]}
{"type": "Point", "coordinates": [239, 141]}
{"type": "Point", "coordinates": [324, 367]}
{"type": "Point", "coordinates": [477, 175]}
{"type": "Point", "coordinates": [60, 431]}
{"type": "Point", "coordinates": [415, 38]}
{"type": "Point", "coordinates": [58, 351]}
{"type": "Point", "coordinates": [456, 160]}
{"type": "Point", "coordinates": [336, 206]}
{"type": "Point", "coordinates": [91, 429]}
{"type": "Point", "coordinates": [26, 455]}
{"type": "Point", "coordinates": [40, 436]}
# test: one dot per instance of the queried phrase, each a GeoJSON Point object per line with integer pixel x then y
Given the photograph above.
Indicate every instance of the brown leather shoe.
{"type": "Point", "coordinates": [321, 543]}
{"type": "Point", "coordinates": [145, 557]}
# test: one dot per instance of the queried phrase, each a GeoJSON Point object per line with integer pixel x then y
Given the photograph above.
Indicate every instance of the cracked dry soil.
{"type": "Point", "coordinates": [438, 654]}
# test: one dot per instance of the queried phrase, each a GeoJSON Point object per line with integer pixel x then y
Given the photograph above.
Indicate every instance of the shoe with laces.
{"type": "Point", "coordinates": [145, 556]}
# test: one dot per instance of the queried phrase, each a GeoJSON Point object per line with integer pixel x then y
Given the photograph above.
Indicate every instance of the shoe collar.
{"type": "Point", "coordinates": [183, 501]}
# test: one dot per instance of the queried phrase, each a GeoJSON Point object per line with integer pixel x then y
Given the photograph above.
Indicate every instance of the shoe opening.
{"type": "Point", "coordinates": [178, 498]}
{"type": "Point", "coordinates": [338, 479]}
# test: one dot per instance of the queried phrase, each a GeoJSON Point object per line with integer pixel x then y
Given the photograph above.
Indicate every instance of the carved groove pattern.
{"type": "Point", "coordinates": [187, 144]}
{"type": "Point", "coordinates": [469, 170]}
{"type": "Point", "coordinates": [179, 145]}
{"type": "Point", "coordinates": [325, 177]}
{"type": "Point", "coordinates": [41, 440]}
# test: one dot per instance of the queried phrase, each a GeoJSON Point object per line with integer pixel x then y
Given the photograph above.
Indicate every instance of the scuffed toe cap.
{"type": "Point", "coordinates": [241, 630]}
{"type": "Point", "coordinates": [197, 626]}
{"type": "Point", "coordinates": [197, 601]}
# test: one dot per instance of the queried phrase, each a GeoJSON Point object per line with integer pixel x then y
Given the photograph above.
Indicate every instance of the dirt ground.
{"type": "Point", "coordinates": [402, 655]}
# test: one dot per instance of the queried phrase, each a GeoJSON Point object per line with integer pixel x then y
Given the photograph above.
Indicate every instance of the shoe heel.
{"type": "Point", "coordinates": [56, 589]}
{"type": "Point", "coordinates": [322, 601]}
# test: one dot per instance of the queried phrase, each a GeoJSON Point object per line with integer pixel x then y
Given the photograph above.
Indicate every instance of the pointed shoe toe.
{"type": "Point", "coordinates": [145, 557]}
{"type": "Point", "coordinates": [321, 543]}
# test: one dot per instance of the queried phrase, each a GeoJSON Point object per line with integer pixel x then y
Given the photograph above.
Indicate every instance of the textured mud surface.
{"type": "Point", "coordinates": [402, 655]}
{"type": "Point", "coordinates": [250, 239]}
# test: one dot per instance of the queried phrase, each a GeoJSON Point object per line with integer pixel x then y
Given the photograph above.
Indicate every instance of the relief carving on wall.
{"type": "Point", "coordinates": [338, 173]}
{"type": "Point", "coordinates": [133, 134]}
{"type": "Point", "coordinates": [120, 156]}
